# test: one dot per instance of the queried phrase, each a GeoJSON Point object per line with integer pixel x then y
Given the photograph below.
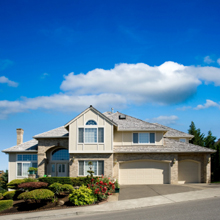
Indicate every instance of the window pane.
{"type": "Point", "coordinates": [100, 167]}
{"type": "Point", "coordinates": [152, 137]}
{"type": "Point", "coordinates": [63, 168]}
{"type": "Point", "coordinates": [101, 135]}
{"type": "Point", "coordinates": [53, 168]}
{"type": "Point", "coordinates": [143, 137]}
{"type": "Point", "coordinates": [135, 138]}
{"type": "Point", "coordinates": [60, 154]}
{"type": "Point", "coordinates": [94, 167]}
{"type": "Point", "coordinates": [34, 165]}
{"type": "Point", "coordinates": [19, 169]}
{"type": "Point", "coordinates": [81, 167]}
{"type": "Point", "coordinates": [81, 134]}
{"type": "Point", "coordinates": [182, 140]}
{"type": "Point", "coordinates": [34, 157]}
{"type": "Point", "coordinates": [91, 122]}
{"type": "Point", "coordinates": [19, 158]}
{"type": "Point", "coordinates": [90, 135]}
{"type": "Point", "coordinates": [25, 168]}
{"type": "Point", "coordinates": [27, 157]}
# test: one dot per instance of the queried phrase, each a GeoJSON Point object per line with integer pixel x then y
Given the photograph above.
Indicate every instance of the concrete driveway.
{"type": "Point", "coordinates": [142, 191]}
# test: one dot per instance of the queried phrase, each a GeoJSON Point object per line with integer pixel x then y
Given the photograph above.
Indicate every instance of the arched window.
{"type": "Point", "coordinates": [91, 122]}
{"type": "Point", "coordinates": [60, 154]}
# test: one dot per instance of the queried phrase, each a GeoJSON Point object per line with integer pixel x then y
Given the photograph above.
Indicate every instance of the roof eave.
{"type": "Point", "coordinates": [50, 137]}
{"type": "Point", "coordinates": [20, 151]}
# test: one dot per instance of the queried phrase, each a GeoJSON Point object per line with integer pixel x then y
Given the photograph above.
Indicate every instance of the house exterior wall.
{"type": "Point", "coordinates": [178, 139]}
{"type": "Point", "coordinates": [12, 167]}
{"type": "Point", "coordinates": [44, 145]}
{"type": "Point", "coordinates": [75, 147]}
{"type": "Point", "coordinates": [75, 158]}
{"type": "Point", "coordinates": [126, 137]}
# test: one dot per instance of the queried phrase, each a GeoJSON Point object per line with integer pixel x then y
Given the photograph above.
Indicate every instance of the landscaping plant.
{"type": "Point", "coordinates": [5, 204]}
{"type": "Point", "coordinates": [14, 183]}
{"type": "Point", "coordinates": [67, 188]}
{"type": "Point", "coordinates": [82, 196]}
{"type": "Point", "coordinates": [32, 185]}
{"type": "Point", "coordinates": [9, 194]}
{"type": "Point", "coordinates": [101, 188]}
{"type": "Point", "coordinates": [56, 188]}
{"type": "Point", "coordinates": [1, 196]}
{"type": "Point", "coordinates": [37, 195]}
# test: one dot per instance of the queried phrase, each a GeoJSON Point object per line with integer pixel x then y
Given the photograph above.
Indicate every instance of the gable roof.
{"type": "Point", "coordinates": [170, 146]}
{"type": "Point", "coordinates": [94, 110]}
{"type": "Point", "coordinates": [29, 146]}
{"type": "Point", "coordinates": [132, 124]}
{"type": "Point", "coordinates": [175, 133]}
{"type": "Point", "coordinates": [60, 132]}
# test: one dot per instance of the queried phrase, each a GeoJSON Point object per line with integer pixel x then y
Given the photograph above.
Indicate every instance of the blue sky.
{"type": "Point", "coordinates": [155, 60]}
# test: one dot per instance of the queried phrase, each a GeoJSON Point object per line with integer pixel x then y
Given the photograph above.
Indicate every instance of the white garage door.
{"type": "Point", "coordinates": [144, 172]}
{"type": "Point", "coordinates": [188, 172]}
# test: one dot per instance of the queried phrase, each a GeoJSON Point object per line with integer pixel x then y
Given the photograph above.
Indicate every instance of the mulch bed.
{"type": "Point", "coordinates": [20, 206]}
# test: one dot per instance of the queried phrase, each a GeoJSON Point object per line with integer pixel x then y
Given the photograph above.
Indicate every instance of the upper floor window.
{"type": "Point", "coordinates": [183, 140]}
{"type": "Point", "coordinates": [91, 135]}
{"type": "Point", "coordinates": [91, 122]}
{"type": "Point", "coordinates": [60, 154]}
{"type": "Point", "coordinates": [143, 138]}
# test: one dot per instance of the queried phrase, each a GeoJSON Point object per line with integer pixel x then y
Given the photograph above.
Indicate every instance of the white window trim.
{"type": "Point", "coordinates": [144, 143]}
{"type": "Point", "coordinates": [91, 126]}
{"type": "Point", "coordinates": [85, 171]}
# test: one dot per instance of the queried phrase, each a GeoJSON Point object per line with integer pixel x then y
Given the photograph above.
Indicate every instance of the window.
{"type": "Point", "coordinates": [60, 154]}
{"type": "Point", "coordinates": [143, 138]}
{"type": "Point", "coordinates": [91, 122]}
{"type": "Point", "coordinates": [24, 162]}
{"type": "Point", "coordinates": [97, 167]}
{"type": "Point", "coordinates": [183, 140]}
{"type": "Point", "coordinates": [91, 135]}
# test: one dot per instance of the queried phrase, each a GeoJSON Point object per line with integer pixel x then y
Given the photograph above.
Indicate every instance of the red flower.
{"type": "Point", "coordinates": [97, 183]}
{"type": "Point", "coordinates": [105, 184]}
{"type": "Point", "coordinates": [92, 180]}
{"type": "Point", "coordinates": [100, 182]}
{"type": "Point", "coordinates": [92, 185]}
{"type": "Point", "coordinates": [100, 187]}
{"type": "Point", "coordinates": [113, 187]}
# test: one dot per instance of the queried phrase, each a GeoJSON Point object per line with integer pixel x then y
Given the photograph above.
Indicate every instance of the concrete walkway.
{"type": "Point", "coordinates": [118, 205]}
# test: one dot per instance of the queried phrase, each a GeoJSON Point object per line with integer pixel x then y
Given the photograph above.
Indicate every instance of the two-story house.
{"type": "Point", "coordinates": [123, 147]}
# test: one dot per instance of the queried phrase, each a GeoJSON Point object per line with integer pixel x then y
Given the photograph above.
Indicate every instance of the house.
{"type": "Point", "coordinates": [126, 148]}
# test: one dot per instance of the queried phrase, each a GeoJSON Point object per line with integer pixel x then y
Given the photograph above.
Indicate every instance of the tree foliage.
{"type": "Point", "coordinates": [4, 180]}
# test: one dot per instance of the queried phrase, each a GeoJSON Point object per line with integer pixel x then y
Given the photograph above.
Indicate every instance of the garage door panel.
{"type": "Point", "coordinates": [144, 172]}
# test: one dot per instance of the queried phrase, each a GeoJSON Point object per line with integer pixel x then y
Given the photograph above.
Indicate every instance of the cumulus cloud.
{"type": "Point", "coordinates": [208, 104]}
{"type": "Point", "coordinates": [165, 120]}
{"type": "Point", "coordinates": [61, 102]}
{"type": "Point", "coordinates": [125, 84]}
{"type": "Point", "coordinates": [208, 60]}
{"type": "Point", "coordinates": [4, 79]}
{"type": "Point", "coordinates": [184, 108]}
{"type": "Point", "coordinates": [218, 61]}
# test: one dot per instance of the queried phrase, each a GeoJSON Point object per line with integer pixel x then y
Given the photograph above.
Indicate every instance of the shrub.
{"type": "Point", "coordinates": [56, 188]}
{"type": "Point", "coordinates": [51, 180]}
{"type": "Point", "coordinates": [37, 195]}
{"type": "Point", "coordinates": [81, 196]}
{"type": "Point", "coordinates": [3, 191]}
{"type": "Point", "coordinates": [101, 188]}
{"type": "Point", "coordinates": [9, 194]}
{"type": "Point", "coordinates": [67, 188]}
{"type": "Point", "coordinates": [32, 185]}
{"type": "Point", "coordinates": [5, 204]}
{"type": "Point", "coordinates": [1, 196]}
{"type": "Point", "coordinates": [14, 183]}
{"type": "Point", "coordinates": [79, 181]}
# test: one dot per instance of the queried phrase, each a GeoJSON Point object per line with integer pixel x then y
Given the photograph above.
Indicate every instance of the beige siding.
{"type": "Point", "coordinates": [126, 137]}
{"type": "Point", "coordinates": [75, 147]}
{"type": "Point", "coordinates": [12, 167]}
{"type": "Point", "coordinates": [177, 139]}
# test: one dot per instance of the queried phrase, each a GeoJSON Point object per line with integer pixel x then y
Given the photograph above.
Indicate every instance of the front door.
{"type": "Point", "coordinates": [61, 169]}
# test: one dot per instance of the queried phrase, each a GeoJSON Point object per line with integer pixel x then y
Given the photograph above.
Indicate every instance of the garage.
{"type": "Point", "coordinates": [144, 172]}
{"type": "Point", "coordinates": [189, 171]}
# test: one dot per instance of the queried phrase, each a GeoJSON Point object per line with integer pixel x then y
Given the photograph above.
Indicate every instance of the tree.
{"type": "Point", "coordinates": [210, 141]}
{"type": "Point", "coordinates": [4, 180]}
{"type": "Point", "coordinates": [199, 138]}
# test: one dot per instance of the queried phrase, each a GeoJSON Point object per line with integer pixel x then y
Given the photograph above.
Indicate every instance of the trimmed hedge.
{"type": "Point", "coordinates": [1, 196]}
{"type": "Point", "coordinates": [14, 183]}
{"type": "Point", "coordinates": [9, 194]}
{"type": "Point", "coordinates": [5, 204]}
{"type": "Point", "coordinates": [56, 188]}
{"type": "Point", "coordinates": [37, 195]}
{"type": "Point", "coordinates": [74, 181]}
{"type": "Point", "coordinates": [67, 188]}
{"type": "Point", "coordinates": [32, 185]}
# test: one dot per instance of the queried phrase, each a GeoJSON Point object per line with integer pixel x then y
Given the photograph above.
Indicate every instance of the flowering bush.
{"type": "Point", "coordinates": [101, 187]}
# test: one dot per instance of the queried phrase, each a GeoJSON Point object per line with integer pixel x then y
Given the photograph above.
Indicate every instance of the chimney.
{"type": "Point", "coordinates": [112, 110]}
{"type": "Point", "coordinates": [20, 133]}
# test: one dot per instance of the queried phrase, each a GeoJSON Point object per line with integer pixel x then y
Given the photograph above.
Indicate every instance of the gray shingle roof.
{"type": "Point", "coordinates": [57, 132]}
{"type": "Point", "coordinates": [174, 133]}
{"type": "Point", "coordinates": [132, 124]}
{"type": "Point", "coordinates": [31, 145]}
{"type": "Point", "coordinates": [170, 146]}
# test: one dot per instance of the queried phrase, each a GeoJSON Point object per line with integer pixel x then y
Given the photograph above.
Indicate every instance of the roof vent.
{"type": "Point", "coordinates": [122, 116]}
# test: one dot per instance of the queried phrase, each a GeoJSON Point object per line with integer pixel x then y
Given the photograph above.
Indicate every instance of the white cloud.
{"type": "Point", "coordinates": [165, 120]}
{"type": "Point", "coordinates": [208, 104]}
{"type": "Point", "coordinates": [218, 61]}
{"type": "Point", "coordinates": [44, 75]}
{"type": "Point", "coordinates": [184, 108]}
{"type": "Point", "coordinates": [61, 102]}
{"type": "Point", "coordinates": [3, 79]}
{"type": "Point", "coordinates": [208, 60]}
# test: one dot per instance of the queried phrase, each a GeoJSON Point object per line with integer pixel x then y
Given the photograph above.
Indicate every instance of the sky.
{"type": "Point", "coordinates": [158, 61]}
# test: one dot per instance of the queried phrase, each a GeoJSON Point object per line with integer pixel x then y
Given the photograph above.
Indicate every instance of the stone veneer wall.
{"type": "Point", "coordinates": [43, 146]}
{"type": "Point", "coordinates": [74, 165]}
